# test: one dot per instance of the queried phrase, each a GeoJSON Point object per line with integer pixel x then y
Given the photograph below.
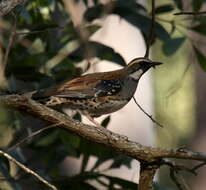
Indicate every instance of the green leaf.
{"type": "Point", "coordinates": [143, 23]}
{"type": "Point", "coordinates": [5, 164]}
{"type": "Point", "coordinates": [95, 1]}
{"type": "Point", "coordinates": [64, 70]}
{"type": "Point", "coordinates": [70, 140]}
{"type": "Point", "coordinates": [129, 11]}
{"type": "Point", "coordinates": [118, 161]}
{"type": "Point", "coordinates": [93, 28]}
{"type": "Point", "coordinates": [77, 117]}
{"type": "Point", "coordinates": [29, 61]}
{"type": "Point", "coordinates": [201, 58]}
{"type": "Point", "coordinates": [172, 45]}
{"type": "Point", "coordinates": [197, 4]}
{"type": "Point", "coordinates": [158, 186]}
{"type": "Point", "coordinates": [164, 9]}
{"type": "Point", "coordinates": [98, 50]}
{"type": "Point", "coordinates": [121, 160]}
{"type": "Point", "coordinates": [8, 178]}
{"type": "Point", "coordinates": [84, 162]}
{"type": "Point", "coordinates": [85, 2]}
{"type": "Point", "coordinates": [178, 4]}
{"type": "Point", "coordinates": [77, 182]}
{"type": "Point", "coordinates": [106, 121]}
{"type": "Point", "coordinates": [201, 26]}
{"type": "Point", "coordinates": [71, 183]}
{"type": "Point", "coordinates": [48, 139]}
{"type": "Point", "coordinates": [44, 3]}
{"type": "Point", "coordinates": [125, 184]}
{"type": "Point", "coordinates": [125, 7]}
{"type": "Point", "coordinates": [94, 12]}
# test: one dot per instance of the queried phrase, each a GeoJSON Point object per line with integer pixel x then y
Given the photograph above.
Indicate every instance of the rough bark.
{"type": "Point", "coordinates": [7, 6]}
{"type": "Point", "coordinates": [150, 158]}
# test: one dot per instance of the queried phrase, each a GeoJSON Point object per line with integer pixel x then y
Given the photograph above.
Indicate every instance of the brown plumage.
{"type": "Point", "coordinates": [98, 93]}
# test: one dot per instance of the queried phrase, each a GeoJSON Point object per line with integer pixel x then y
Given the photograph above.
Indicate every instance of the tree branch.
{"type": "Point", "coordinates": [7, 6]}
{"type": "Point", "coordinates": [151, 32]}
{"type": "Point", "coordinates": [30, 136]}
{"type": "Point", "coordinates": [27, 170]}
{"type": "Point", "coordinates": [178, 180]}
{"type": "Point", "coordinates": [150, 158]}
{"type": "Point", "coordinates": [148, 115]}
{"type": "Point", "coordinates": [147, 173]}
{"type": "Point", "coordinates": [118, 143]}
{"type": "Point", "coordinates": [10, 43]}
{"type": "Point", "coordinates": [191, 13]}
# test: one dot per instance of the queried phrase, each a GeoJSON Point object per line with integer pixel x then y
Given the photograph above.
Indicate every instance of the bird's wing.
{"type": "Point", "coordinates": [91, 85]}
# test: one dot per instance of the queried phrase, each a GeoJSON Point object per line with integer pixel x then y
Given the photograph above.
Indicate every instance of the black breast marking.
{"type": "Point", "coordinates": [108, 87]}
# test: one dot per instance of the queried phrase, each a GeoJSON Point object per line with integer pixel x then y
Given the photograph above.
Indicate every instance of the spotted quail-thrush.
{"type": "Point", "coordinates": [99, 93]}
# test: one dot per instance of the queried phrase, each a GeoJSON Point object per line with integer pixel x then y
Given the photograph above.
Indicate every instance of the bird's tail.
{"type": "Point", "coordinates": [5, 92]}
{"type": "Point", "coordinates": [9, 92]}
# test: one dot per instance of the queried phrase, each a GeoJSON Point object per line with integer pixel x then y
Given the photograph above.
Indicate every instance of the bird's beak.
{"type": "Point", "coordinates": [154, 64]}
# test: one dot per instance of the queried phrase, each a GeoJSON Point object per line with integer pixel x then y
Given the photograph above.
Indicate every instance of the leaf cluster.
{"type": "Point", "coordinates": [44, 29]}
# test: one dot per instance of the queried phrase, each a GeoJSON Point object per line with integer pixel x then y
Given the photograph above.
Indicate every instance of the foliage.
{"type": "Point", "coordinates": [43, 29]}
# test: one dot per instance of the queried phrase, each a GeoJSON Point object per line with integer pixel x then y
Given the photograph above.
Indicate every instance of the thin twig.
{"type": "Point", "coordinates": [27, 170]}
{"type": "Point", "coordinates": [32, 135]}
{"type": "Point", "coordinates": [178, 84]}
{"type": "Point", "coordinates": [197, 167]}
{"type": "Point", "coordinates": [41, 31]}
{"type": "Point", "coordinates": [190, 13]}
{"type": "Point", "coordinates": [178, 167]}
{"type": "Point", "coordinates": [11, 41]}
{"type": "Point", "coordinates": [175, 175]}
{"type": "Point", "coordinates": [151, 33]}
{"type": "Point", "coordinates": [178, 180]}
{"type": "Point", "coordinates": [150, 116]}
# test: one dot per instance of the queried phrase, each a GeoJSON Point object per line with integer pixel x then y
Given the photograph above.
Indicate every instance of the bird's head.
{"type": "Point", "coordinates": [138, 66]}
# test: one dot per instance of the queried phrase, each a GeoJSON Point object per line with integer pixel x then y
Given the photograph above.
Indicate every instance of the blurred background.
{"type": "Point", "coordinates": [44, 42]}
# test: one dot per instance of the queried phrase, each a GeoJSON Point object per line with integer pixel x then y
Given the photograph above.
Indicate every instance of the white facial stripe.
{"type": "Point", "coordinates": [136, 75]}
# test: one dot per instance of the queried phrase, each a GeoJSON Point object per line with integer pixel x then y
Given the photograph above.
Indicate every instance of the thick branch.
{"type": "Point", "coordinates": [118, 143]}
{"type": "Point", "coordinates": [147, 173]}
{"type": "Point", "coordinates": [7, 6]}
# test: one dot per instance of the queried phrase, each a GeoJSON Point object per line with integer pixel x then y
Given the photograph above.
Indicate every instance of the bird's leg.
{"type": "Point", "coordinates": [93, 121]}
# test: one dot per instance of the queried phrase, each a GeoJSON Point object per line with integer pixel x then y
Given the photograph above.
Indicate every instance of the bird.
{"type": "Point", "coordinates": [99, 93]}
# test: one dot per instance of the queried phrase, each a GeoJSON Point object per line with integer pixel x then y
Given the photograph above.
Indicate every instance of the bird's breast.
{"type": "Point", "coordinates": [129, 88]}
